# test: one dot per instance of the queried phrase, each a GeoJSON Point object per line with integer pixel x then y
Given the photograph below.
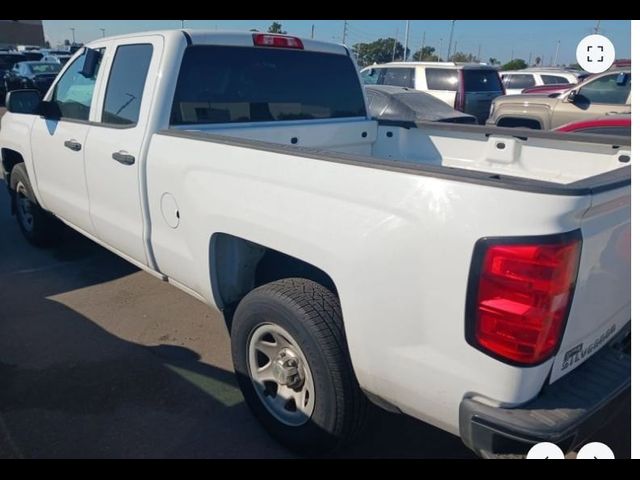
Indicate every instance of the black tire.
{"type": "Point", "coordinates": [311, 315]}
{"type": "Point", "coordinates": [42, 229]}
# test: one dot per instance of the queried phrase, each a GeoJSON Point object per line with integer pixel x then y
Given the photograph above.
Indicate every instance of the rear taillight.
{"type": "Point", "coordinates": [520, 292]}
{"type": "Point", "coordinates": [277, 41]}
{"type": "Point", "coordinates": [458, 104]}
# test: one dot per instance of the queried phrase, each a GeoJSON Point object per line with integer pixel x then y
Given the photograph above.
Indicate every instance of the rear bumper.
{"type": "Point", "coordinates": [566, 413]}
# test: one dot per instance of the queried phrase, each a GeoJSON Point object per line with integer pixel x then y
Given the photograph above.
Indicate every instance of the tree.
{"type": "Point", "coordinates": [426, 54]}
{"type": "Point", "coordinates": [494, 61]}
{"type": "Point", "coordinates": [47, 44]}
{"type": "Point", "coordinates": [254, 30]}
{"type": "Point", "coordinates": [379, 51]}
{"type": "Point", "coordinates": [463, 57]}
{"type": "Point", "coordinates": [276, 28]}
{"type": "Point", "coordinates": [515, 64]}
{"type": "Point", "coordinates": [67, 42]}
{"type": "Point", "coordinates": [575, 66]}
{"type": "Point", "coordinates": [538, 60]}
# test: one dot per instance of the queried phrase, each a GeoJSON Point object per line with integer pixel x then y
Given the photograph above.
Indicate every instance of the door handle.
{"type": "Point", "coordinates": [73, 145]}
{"type": "Point", "coordinates": [123, 157]}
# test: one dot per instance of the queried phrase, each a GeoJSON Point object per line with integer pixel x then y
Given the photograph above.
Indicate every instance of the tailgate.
{"type": "Point", "coordinates": [602, 301]}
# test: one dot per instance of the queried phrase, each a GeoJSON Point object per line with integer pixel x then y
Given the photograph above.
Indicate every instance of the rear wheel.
{"type": "Point", "coordinates": [39, 227]}
{"type": "Point", "coordinates": [291, 360]}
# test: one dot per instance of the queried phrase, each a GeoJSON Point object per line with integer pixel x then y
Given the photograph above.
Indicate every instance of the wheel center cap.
{"type": "Point", "coordinates": [285, 369]}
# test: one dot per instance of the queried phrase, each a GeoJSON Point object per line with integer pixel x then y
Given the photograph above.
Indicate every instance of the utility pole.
{"type": "Point", "coordinates": [555, 58]}
{"type": "Point", "coordinates": [455, 47]}
{"type": "Point", "coordinates": [406, 41]}
{"type": "Point", "coordinates": [512, 54]}
{"type": "Point", "coordinates": [422, 49]}
{"type": "Point", "coordinates": [479, 52]}
{"type": "Point", "coordinates": [440, 54]}
{"type": "Point", "coordinates": [597, 29]}
{"type": "Point", "coordinates": [395, 42]}
{"type": "Point", "coordinates": [344, 33]}
{"type": "Point", "coordinates": [453, 23]}
{"type": "Point", "coordinates": [313, 28]}
{"type": "Point", "coordinates": [529, 62]}
{"type": "Point", "coordinates": [73, 34]}
{"type": "Point", "coordinates": [103, 30]}
{"type": "Point", "coordinates": [181, 23]}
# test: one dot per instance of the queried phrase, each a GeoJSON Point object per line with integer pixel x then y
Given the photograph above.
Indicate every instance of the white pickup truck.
{"type": "Point", "coordinates": [476, 278]}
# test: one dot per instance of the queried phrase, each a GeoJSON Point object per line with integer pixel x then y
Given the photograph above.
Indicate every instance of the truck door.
{"type": "Point", "coordinates": [115, 144]}
{"type": "Point", "coordinates": [604, 95]}
{"type": "Point", "coordinates": [58, 146]}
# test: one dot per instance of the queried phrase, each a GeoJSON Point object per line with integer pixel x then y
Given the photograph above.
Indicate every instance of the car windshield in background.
{"type": "Point", "coordinates": [44, 67]}
{"type": "Point", "coordinates": [220, 84]}
{"type": "Point", "coordinates": [481, 81]}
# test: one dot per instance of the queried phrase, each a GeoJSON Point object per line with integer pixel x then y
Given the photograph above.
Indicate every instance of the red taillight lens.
{"type": "Point", "coordinates": [523, 293]}
{"type": "Point", "coordinates": [278, 41]}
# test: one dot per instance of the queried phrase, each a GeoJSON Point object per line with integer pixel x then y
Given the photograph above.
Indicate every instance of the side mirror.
{"type": "Point", "coordinates": [573, 94]}
{"type": "Point", "coordinates": [621, 79]}
{"type": "Point", "coordinates": [23, 101]}
{"type": "Point", "coordinates": [91, 61]}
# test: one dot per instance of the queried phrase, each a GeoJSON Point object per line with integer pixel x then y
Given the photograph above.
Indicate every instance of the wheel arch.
{"type": "Point", "coordinates": [238, 265]}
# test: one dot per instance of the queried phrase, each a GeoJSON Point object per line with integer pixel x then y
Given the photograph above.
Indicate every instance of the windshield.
{"type": "Point", "coordinates": [44, 67]}
{"type": "Point", "coordinates": [220, 84]}
{"type": "Point", "coordinates": [481, 81]}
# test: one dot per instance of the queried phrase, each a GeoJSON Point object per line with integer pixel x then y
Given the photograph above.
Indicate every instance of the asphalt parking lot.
{"type": "Point", "coordinates": [101, 360]}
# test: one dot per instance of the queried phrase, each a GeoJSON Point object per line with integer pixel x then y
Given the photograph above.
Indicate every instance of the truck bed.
{"type": "Point", "coordinates": [522, 159]}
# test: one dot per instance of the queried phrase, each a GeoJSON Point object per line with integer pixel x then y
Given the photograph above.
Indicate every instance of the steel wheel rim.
{"type": "Point", "coordinates": [24, 207]}
{"type": "Point", "coordinates": [281, 375]}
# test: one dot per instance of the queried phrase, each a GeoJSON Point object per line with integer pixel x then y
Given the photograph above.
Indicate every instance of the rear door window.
{"type": "Point", "coordinates": [371, 76]}
{"type": "Point", "coordinates": [553, 79]}
{"type": "Point", "coordinates": [399, 77]}
{"type": "Point", "coordinates": [220, 84]}
{"type": "Point", "coordinates": [481, 81]}
{"type": "Point", "coordinates": [126, 84]}
{"type": "Point", "coordinates": [442, 79]}
{"type": "Point", "coordinates": [520, 81]}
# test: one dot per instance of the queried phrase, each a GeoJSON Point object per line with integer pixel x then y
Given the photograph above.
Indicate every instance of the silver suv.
{"type": "Point", "coordinates": [467, 87]}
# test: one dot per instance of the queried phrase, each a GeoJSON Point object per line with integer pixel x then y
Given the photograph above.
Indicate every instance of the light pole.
{"type": "Point", "coordinates": [406, 40]}
{"type": "Point", "coordinates": [440, 52]}
{"type": "Point", "coordinates": [73, 34]}
{"type": "Point", "coordinates": [103, 30]}
{"type": "Point", "coordinates": [555, 58]}
{"type": "Point", "coordinates": [453, 22]}
{"type": "Point", "coordinates": [181, 23]}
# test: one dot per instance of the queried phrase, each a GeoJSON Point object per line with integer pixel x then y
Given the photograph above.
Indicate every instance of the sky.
{"type": "Point", "coordinates": [501, 39]}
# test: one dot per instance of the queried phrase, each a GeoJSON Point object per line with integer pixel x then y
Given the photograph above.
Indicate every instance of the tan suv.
{"type": "Point", "coordinates": [605, 94]}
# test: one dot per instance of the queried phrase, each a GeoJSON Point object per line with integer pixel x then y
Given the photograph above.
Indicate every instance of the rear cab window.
{"type": "Point", "coordinates": [223, 84]}
{"type": "Point", "coordinates": [398, 77]}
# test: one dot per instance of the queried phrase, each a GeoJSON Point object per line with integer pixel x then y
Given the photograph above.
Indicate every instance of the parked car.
{"type": "Point", "coordinates": [611, 125]}
{"type": "Point", "coordinates": [409, 105]}
{"type": "Point", "coordinates": [9, 59]}
{"type": "Point", "coordinates": [456, 273]}
{"type": "Point", "coordinates": [604, 94]}
{"type": "Point", "coordinates": [38, 75]}
{"type": "Point", "coordinates": [32, 55]}
{"type": "Point", "coordinates": [517, 80]}
{"type": "Point", "coordinates": [54, 56]}
{"type": "Point", "coordinates": [4, 69]}
{"type": "Point", "coordinates": [555, 89]}
{"type": "Point", "coordinates": [467, 87]}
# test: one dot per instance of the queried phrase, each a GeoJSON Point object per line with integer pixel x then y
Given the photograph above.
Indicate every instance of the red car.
{"type": "Point", "coordinates": [610, 125]}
